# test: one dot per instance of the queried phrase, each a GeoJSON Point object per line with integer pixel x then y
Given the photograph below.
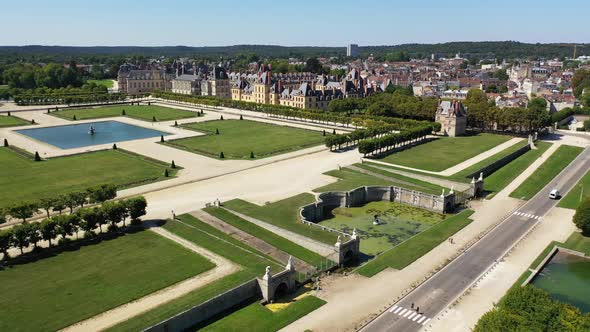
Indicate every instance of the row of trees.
{"type": "Point", "coordinates": [532, 309]}
{"type": "Point", "coordinates": [400, 103]}
{"type": "Point", "coordinates": [485, 115]}
{"type": "Point", "coordinates": [356, 136]}
{"type": "Point", "coordinates": [52, 75]}
{"type": "Point", "coordinates": [88, 93]}
{"type": "Point", "coordinates": [26, 210]}
{"type": "Point", "coordinates": [385, 143]}
{"type": "Point", "coordinates": [87, 220]}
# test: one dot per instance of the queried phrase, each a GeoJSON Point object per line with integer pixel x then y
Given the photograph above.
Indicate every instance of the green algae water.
{"type": "Point", "coordinates": [566, 277]}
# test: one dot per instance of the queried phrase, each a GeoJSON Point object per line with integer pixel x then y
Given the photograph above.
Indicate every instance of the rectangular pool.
{"type": "Point", "coordinates": [566, 277]}
{"type": "Point", "coordinates": [78, 135]}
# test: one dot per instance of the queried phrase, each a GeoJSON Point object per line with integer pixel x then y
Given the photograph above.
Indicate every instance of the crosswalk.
{"type": "Point", "coordinates": [527, 215]}
{"type": "Point", "coordinates": [410, 314]}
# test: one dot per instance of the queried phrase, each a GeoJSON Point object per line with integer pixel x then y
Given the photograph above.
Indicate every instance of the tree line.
{"type": "Point", "coordinates": [61, 226]}
{"type": "Point", "coordinates": [88, 93]}
{"type": "Point", "coordinates": [392, 141]}
{"type": "Point", "coordinates": [532, 309]}
{"type": "Point", "coordinates": [484, 115]}
{"type": "Point", "coordinates": [400, 103]}
{"type": "Point", "coordinates": [25, 210]}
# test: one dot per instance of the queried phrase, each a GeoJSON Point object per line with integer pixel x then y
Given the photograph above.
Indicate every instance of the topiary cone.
{"type": "Point", "coordinates": [5, 143]}
{"type": "Point", "coordinates": [173, 165]}
{"type": "Point", "coordinates": [221, 155]}
{"type": "Point", "coordinates": [251, 154]}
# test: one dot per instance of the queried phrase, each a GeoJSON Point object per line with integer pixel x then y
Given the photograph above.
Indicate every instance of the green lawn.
{"type": "Point", "coordinates": [502, 177]}
{"type": "Point", "coordinates": [107, 83]}
{"type": "Point", "coordinates": [12, 121]}
{"type": "Point", "coordinates": [559, 160]}
{"type": "Point", "coordinates": [141, 112]}
{"type": "Point", "coordinates": [252, 263]}
{"type": "Point", "coordinates": [582, 189]}
{"type": "Point", "coordinates": [24, 179]}
{"type": "Point", "coordinates": [397, 222]}
{"type": "Point", "coordinates": [268, 236]}
{"type": "Point", "coordinates": [256, 317]}
{"type": "Point", "coordinates": [58, 291]}
{"type": "Point", "coordinates": [285, 214]}
{"type": "Point", "coordinates": [238, 138]}
{"type": "Point", "coordinates": [578, 242]}
{"type": "Point", "coordinates": [445, 152]}
{"type": "Point", "coordinates": [407, 252]}
{"type": "Point", "coordinates": [462, 175]}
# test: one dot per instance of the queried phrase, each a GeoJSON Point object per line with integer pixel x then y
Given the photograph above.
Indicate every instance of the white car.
{"type": "Point", "coordinates": [554, 194]}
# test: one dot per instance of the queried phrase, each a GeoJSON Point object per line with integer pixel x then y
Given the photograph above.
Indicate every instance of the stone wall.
{"type": "Point", "coordinates": [208, 309]}
{"type": "Point", "coordinates": [491, 168]}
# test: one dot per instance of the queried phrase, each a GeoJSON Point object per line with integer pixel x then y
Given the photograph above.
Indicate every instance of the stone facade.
{"type": "Point", "coordinates": [277, 285]}
{"type": "Point", "coordinates": [187, 85]}
{"type": "Point", "coordinates": [452, 117]}
{"type": "Point", "coordinates": [217, 84]}
{"type": "Point", "coordinates": [136, 81]}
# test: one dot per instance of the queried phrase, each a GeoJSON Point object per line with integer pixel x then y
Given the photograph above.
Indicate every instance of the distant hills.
{"type": "Point", "coordinates": [504, 49]}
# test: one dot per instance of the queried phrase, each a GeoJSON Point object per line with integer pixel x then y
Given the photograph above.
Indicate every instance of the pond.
{"type": "Point", "coordinates": [79, 135]}
{"type": "Point", "coordinates": [566, 277]}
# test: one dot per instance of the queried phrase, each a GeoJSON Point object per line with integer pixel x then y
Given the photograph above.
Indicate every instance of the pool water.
{"type": "Point", "coordinates": [566, 277]}
{"type": "Point", "coordinates": [77, 135]}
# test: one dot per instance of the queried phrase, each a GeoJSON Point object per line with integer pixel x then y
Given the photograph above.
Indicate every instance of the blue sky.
{"type": "Point", "coordinates": [290, 22]}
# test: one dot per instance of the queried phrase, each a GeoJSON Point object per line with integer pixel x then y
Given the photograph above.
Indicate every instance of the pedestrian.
{"type": "Point", "coordinates": [173, 215]}
{"type": "Point", "coordinates": [412, 305]}
{"type": "Point", "coordinates": [418, 309]}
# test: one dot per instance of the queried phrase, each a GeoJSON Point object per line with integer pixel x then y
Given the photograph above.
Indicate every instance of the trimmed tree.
{"type": "Point", "coordinates": [136, 208]}
{"type": "Point", "coordinates": [46, 204]}
{"type": "Point", "coordinates": [251, 154]}
{"type": "Point", "coordinates": [2, 216]}
{"type": "Point", "coordinates": [37, 156]}
{"type": "Point", "coordinates": [5, 243]}
{"type": "Point", "coordinates": [115, 146]}
{"type": "Point", "coordinates": [48, 230]}
{"type": "Point", "coordinates": [241, 117]}
{"type": "Point", "coordinates": [221, 118]}
{"type": "Point", "coordinates": [166, 173]}
{"type": "Point", "coordinates": [23, 211]}
{"type": "Point", "coordinates": [20, 236]}
{"type": "Point", "coordinates": [5, 143]}
{"type": "Point", "coordinates": [154, 118]}
{"type": "Point", "coordinates": [324, 133]}
{"type": "Point", "coordinates": [221, 155]}
{"type": "Point", "coordinates": [216, 131]}
{"type": "Point", "coordinates": [162, 138]}
{"type": "Point", "coordinates": [175, 123]}
{"type": "Point", "coordinates": [172, 165]}
{"type": "Point", "coordinates": [74, 117]}
{"type": "Point", "coordinates": [123, 112]}
{"type": "Point", "coordinates": [333, 131]}
{"type": "Point", "coordinates": [582, 217]}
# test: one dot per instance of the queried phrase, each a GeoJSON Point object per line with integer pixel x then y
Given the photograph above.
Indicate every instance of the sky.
{"type": "Point", "coordinates": [289, 22]}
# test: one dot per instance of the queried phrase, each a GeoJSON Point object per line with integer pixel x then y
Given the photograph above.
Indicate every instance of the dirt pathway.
{"type": "Point", "coordinates": [252, 241]}
{"type": "Point", "coordinates": [122, 313]}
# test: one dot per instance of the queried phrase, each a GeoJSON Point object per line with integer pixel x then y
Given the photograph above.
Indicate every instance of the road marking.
{"type": "Point", "coordinates": [402, 312]}
{"type": "Point", "coordinates": [398, 310]}
{"type": "Point", "coordinates": [407, 313]}
{"type": "Point", "coordinates": [418, 316]}
{"type": "Point", "coordinates": [412, 315]}
{"type": "Point", "coordinates": [393, 308]}
{"type": "Point", "coordinates": [421, 319]}
{"type": "Point", "coordinates": [426, 321]}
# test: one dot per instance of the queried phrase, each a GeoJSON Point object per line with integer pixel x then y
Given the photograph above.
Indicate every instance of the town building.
{"type": "Point", "coordinates": [352, 50]}
{"type": "Point", "coordinates": [452, 117]}
{"type": "Point", "coordinates": [216, 84]}
{"type": "Point", "coordinates": [135, 81]}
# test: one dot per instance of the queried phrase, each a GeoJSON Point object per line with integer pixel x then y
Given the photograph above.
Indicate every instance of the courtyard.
{"type": "Point", "coordinates": [396, 223]}
{"type": "Point", "coordinates": [237, 139]}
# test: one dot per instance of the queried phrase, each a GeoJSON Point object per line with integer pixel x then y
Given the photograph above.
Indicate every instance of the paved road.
{"type": "Point", "coordinates": [434, 295]}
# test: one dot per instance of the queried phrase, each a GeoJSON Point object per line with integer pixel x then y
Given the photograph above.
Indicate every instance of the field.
{"type": "Point", "coordinates": [107, 83]}
{"type": "Point", "coordinates": [143, 112]}
{"type": "Point", "coordinates": [407, 252]}
{"type": "Point", "coordinates": [582, 189]}
{"type": "Point", "coordinates": [285, 214]}
{"type": "Point", "coordinates": [397, 222]}
{"type": "Point", "coordinates": [257, 318]}
{"type": "Point", "coordinates": [559, 160]}
{"type": "Point", "coordinates": [238, 138]}
{"type": "Point", "coordinates": [253, 264]}
{"type": "Point", "coordinates": [502, 177]}
{"type": "Point", "coordinates": [11, 121]}
{"type": "Point", "coordinates": [58, 291]}
{"type": "Point", "coordinates": [445, 152]}
{"type": "Point", "coordinates": [24, 179]}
